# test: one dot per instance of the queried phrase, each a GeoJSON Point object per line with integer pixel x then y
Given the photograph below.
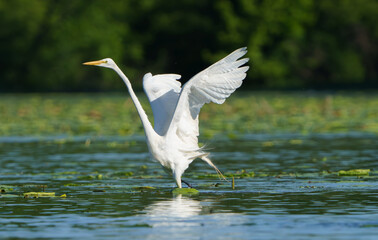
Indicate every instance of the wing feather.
{"type": "Point", "coordinates": [163, 93]}
{"type": "Point", "coordinates": [214, 84]}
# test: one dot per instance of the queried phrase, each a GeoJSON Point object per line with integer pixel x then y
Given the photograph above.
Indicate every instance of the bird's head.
{"type": "Point", "coordinates": [106, 62]}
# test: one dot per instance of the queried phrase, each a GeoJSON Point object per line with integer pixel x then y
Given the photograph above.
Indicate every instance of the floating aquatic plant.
{"type": "Point", "coordinates": [39, 194]}
{"type": "Point", "coordinates": [185, 191]}
{"type": "Point", "coordinates": [74, 114]}
{"type": "Point", "coordinates": [355, 172]}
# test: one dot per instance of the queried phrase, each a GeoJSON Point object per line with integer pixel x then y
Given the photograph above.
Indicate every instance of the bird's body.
{"type": "Point", "coordinates": [173, 141]}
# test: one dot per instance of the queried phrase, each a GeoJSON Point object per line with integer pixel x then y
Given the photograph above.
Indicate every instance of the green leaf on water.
{"type": "Point", "coordinates": [185, 191]}
{"type": "Point", "coordinates": [5, 188]}
{"type": "Point", "coordinates": [39, 194]}
{"type": "Point", "coordinates": [143, 167]}
{"type": "Point", "coordinates": [296, 141]}
{"type": "Point", "coordinates": [232, 136]}
{"type": "Point", "coordinates": [91, 177]}
{"type": "Point", "coordinates": [268, 144]}
{"type": "Point", "coordinates": [355, 172]}
{"type": "Point", "coordinates": [148, 176]}
{"type": "Point", "coordinates": [144, 188]}
{"type": "Point", "coordinates": [369, 226]}
{"type": "Point", "coordinates": [99, 190]}
{"type": "Point", "coordinates": [88, 177]}
{"type": "Point", "coordinates": [208, 176]}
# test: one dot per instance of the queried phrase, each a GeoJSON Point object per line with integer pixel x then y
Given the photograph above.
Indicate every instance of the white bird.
{"type": "Point", "coordinates": [173, 141]}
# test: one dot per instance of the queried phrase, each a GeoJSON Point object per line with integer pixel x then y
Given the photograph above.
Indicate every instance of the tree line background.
{"type": "Point", "coordinates": [293, 44]}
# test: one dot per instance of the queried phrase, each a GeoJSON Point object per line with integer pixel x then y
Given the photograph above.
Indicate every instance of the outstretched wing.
{"type": "Point", "coordinates": [163, 93]}
{"type": "Point", "coordinates": [213, 84]}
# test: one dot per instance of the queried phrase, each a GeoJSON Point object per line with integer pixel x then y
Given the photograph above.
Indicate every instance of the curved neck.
{"type": "Point", "coordinates": [150, 132]}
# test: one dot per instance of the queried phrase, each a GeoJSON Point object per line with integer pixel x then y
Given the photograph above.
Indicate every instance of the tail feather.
{"type": "Point", "coordinates": [206, 159]}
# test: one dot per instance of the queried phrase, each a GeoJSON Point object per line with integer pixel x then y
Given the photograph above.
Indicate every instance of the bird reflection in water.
{"type": "Point", "coordinates": [178, 211]}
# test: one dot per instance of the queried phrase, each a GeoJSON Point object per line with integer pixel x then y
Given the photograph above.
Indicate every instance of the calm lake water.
{"type": "Point", "coordinates": [295, 192]}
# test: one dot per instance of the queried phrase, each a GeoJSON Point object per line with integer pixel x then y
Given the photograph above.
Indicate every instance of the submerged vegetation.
{"type": "Point", "coordinates": [248, 112]}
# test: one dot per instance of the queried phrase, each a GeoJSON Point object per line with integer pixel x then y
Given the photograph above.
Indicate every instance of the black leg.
{"type": "Point", "coordinates": [189, 185]}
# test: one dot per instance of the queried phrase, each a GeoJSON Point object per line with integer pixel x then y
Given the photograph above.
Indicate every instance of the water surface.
{"type": "Point", "coordinates": [295, 191]}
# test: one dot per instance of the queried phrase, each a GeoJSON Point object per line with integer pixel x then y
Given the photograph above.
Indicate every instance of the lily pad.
{"type": "Point", "coordinates": [185, 191]}
{"type": "Point", "coordinates": [39, 194]}
{"type": "Point", "coordinates": [355, 172]}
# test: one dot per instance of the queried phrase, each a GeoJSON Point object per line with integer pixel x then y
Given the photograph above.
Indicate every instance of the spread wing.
{"type": "Point", "coordinates": [213, 84]}
{"type": "Point", "coordinates": [163, 93]}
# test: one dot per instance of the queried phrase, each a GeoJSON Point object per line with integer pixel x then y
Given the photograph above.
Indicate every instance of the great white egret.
{"type": "Point", "coordinates": [173, 141]}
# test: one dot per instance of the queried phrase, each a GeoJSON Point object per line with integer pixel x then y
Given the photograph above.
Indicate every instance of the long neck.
{"type": "Point", "coordinates": [150, 132]}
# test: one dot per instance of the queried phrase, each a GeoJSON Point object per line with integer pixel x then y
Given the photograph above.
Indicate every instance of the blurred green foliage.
{"type": "Point", "coordinates": [292, 44]}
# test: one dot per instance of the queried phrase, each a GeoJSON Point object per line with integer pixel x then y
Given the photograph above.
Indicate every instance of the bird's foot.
{"type": "Point", "coordinates": [188, 184]}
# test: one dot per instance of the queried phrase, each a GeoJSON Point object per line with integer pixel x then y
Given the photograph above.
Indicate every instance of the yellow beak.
{"type": "Point", "coordinates": [94, 62]}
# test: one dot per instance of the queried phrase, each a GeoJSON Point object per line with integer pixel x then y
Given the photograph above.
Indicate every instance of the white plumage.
{"type": "Point", "coordinates": [173, 141]}
{"type": "Point", "coordinates": [163, 92]}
